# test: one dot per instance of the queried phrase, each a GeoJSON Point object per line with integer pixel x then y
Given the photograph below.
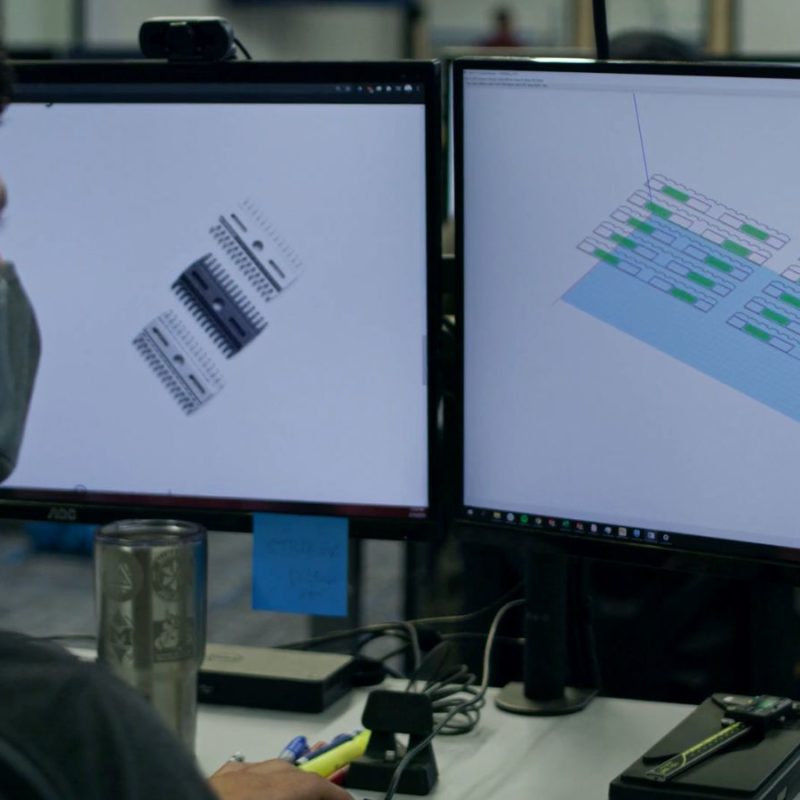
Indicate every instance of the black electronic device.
{"type": "Point", "coordinates": [744, 716]}
{"type": "Point", "coordinates": [268, 677]}
{"type": "Point", "coordinates": [711, 755]}
{"type": "Point", "coordinates": [629, 347]}
{"type": "Point", "coordinates": [386, 714]}
{"type": "Point", "coordinates": [187, 38]}
{"type": "Point", "coordinates": [235, 270]}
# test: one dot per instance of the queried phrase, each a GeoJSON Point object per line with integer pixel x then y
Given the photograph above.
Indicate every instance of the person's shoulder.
{"type": "Point", "coordinates": [15, 646]}
{"type": "Point", "coordinates": [40, 668]}
{"type": "Point", "coordinates": [9, 276]}
{"type": "Point", "coordinates": [88, 730]}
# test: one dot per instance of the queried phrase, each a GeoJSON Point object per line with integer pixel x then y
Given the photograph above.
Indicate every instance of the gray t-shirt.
{"type": "Point", "coordinates": [82, 733]}
{"type": "Point", "coordinates": [19, 357]}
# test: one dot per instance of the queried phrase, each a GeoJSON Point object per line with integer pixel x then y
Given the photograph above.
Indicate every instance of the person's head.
{"type": "Point", "coordinates": [502, 18]}
{"type": "Point", "coordinates": [5, 80]}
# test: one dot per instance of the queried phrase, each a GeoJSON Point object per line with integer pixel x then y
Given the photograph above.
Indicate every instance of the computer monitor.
{"type": "Point", "coordinates": [630, 310]}
{"type": "Point", "coordinates": [234, 267]}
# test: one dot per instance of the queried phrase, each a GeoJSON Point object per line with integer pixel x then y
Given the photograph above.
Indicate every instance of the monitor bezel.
{"type": "Point", "coordinates": [95, 79]}
{"type": "Point", "coordinates": [721, 557]}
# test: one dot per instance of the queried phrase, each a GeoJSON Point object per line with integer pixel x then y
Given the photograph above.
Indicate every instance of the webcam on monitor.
{"type": "Point", "coordinates": [188, 39]}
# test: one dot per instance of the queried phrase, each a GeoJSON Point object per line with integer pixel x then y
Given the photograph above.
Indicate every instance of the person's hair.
{"type": "Point", "coordinates": [6, 82]}
{"type": "Point", "coordinates": [502, 15]}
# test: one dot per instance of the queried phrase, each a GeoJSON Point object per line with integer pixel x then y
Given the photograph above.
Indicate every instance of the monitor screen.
{"type": "Point", "coordinates": [631, 305]}
{"type": "Point", "coordinates": [232, 267]}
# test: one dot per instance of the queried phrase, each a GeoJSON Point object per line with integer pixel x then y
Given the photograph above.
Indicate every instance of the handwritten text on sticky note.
{"type": "Point", "coordinates": [300, 564]}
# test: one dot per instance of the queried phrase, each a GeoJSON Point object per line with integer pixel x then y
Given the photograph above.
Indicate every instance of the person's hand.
{"type": "Point", "coordinates": [272, 780]}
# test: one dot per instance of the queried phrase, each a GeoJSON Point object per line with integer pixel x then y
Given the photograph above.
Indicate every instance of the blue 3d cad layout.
{"type": "Point", "coordinates": [691, 277]}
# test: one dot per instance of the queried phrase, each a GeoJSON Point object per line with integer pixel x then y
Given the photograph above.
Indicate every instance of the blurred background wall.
{"type": "Point", "coordinates": [383, 29]}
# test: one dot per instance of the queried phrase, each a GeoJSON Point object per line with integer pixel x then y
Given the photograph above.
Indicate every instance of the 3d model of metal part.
{"type": "Point", "coordinates": [253, 244]}
{"type": "Point", "coordinates": [219, 304]}
{"type": "Point", "coordinates": [178, 361]}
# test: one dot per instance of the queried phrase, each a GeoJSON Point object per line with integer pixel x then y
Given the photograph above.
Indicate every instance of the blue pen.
{"type": "Point", "coordinates": [294, 750]}
{"type": "Point", "coordinates": [335, 742]}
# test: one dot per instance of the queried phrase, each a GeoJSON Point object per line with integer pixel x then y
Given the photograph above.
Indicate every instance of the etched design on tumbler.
{"type": "Point", "coordinates": [120, 636]}
{"type": "Point", "coordinates": [124, 580]}
{"type": "Point", "coordinates": [173, 639]}
{"type": "Point", "coordinates": [167, 577]}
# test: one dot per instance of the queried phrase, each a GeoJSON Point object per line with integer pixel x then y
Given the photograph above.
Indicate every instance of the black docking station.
{"type": "Point", "coordinates": [265, 677]}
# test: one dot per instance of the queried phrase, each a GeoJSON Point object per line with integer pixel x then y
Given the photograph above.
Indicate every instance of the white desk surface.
{"type": "Point", "coordinates": [506, 756]}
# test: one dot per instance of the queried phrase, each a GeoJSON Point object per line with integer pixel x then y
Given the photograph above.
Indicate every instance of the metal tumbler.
{"type": "Point", "coordinates": [150, 592]}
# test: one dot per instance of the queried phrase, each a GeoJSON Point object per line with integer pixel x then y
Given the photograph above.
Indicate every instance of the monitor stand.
{"type": "Point", "coordinates": [542, 692]}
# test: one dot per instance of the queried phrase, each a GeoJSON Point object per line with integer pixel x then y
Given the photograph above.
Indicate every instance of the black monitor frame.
{"type": "Point", "coordinates": [703, 554]}
{"type": "Point", "coordinates": [249, 81]}
{"type": "Point", "coordinates": [545, 547]}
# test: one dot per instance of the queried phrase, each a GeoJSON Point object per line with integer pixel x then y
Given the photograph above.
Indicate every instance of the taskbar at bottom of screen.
{"type": "Point", "coordinates": [600, 530]}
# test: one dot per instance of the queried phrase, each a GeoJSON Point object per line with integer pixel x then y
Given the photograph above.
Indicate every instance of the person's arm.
{"type": "Point", "coordinates": [272, 780]}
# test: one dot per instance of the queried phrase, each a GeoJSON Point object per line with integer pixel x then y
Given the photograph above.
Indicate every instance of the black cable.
{"type": "Point", "coordinates": [392, 672]}
{"type": "Point", "coordinates": [455, 618]}
{"type": "Point", "coordinates": [392, 653]}
{"type": "Point", "coordinates": [416, 675]}
{"type": "Point", "coordinates": [448, 693]}
{"type": "Point", "coordinates": [373, 636]}
{"type": "Point", "coordinates": [244, 50]}
{"type": "Point", "coordinates": [337, 636]}
{"type": "Point", "coordinates": [600, 29]}
{"type": "Point", "coordinates": [465, 707]}
{"type": "Point", "coordinates": [412, 753]}
{"type": "Point", "coordinates": [406, 644]}
{"type": "Point", "coordinates": [452, 637]}
{"type": "Point", "coordinates": [408, 626]}
{"type": "Point", "coordinates": [446, 690]}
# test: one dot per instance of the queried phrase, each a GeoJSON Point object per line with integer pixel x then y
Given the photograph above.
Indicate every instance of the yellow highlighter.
{"type": "Point", "coordinates": [330, 761]}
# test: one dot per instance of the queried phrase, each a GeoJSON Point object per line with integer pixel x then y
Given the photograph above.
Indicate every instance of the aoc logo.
{"type": "Point", "coordinates": [62, 514]}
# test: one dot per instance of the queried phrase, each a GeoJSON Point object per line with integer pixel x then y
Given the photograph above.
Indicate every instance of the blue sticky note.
{"type": "Point", "coordinates": [300, 564]}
